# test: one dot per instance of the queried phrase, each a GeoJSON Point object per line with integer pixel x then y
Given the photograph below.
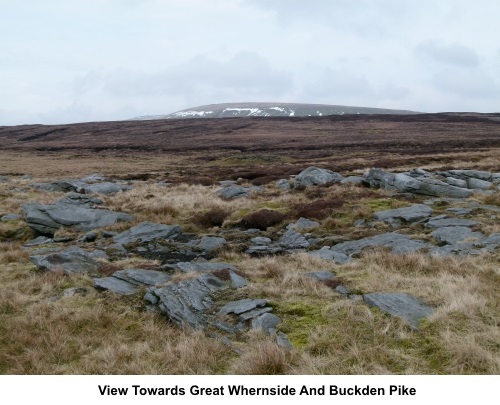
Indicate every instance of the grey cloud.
{"type": "Point", "coordinates": [466, 83]}
{"type": "Point", "coordinates": [451, 54]}
{"type": "Point", "coordinates": [338, 83]}
{"type": "Point", "coordinates": [244, 72]}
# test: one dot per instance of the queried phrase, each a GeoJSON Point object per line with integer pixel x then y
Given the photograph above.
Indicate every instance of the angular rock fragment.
{"type": "Point", "coordinates": [146, 232]}
{"type": "Point", "coordinates": [293, 240]}
{"type": "Point", "coordinates": [439, 223]}
{"type": "Point", "coordinates": [192, 267]}
{"type": "Point", "coordinates": [412, 213]}
{"type": "Point", "coordinates": [284, 184]}
{"type": "Point", "coordinates": [455, 234]}
{"type": "Point", "coordinates": [142, 276]}
{"type": "Point", "coordinates": [115, 285]}
{"type": "Point", "coordinates": [402, 305]}
{"type": "Point", "coordinates": [313, 176]}
{"type": "Point", "coordinates": [266, 322]}
{"type": "Point", "coordinates": [302, 224]}
{"type": "Point", "coordinates": [71, 261]}
{"type": "Point", "coordinates": [240, 306]}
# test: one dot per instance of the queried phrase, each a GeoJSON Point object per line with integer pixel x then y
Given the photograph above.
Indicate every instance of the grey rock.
{"type": "Point", "coordinates": [115, 285]}
{"type": "Point", "coordinates": [4, 179]}
{"type": "Point", "coordinates": [40, 240]}
{"type": "Point", "coordinates": [260, 241]}
{"type": "Point", "coordinates": [315, 176]}
{"type": "Point", "coordinates": [327, 254]}
{"type": "Point", "coordinates": [71, 261]}
{"type": "Point", "coordinates": [241, 306]}
{"type": "Point", "coordinates": [401, 305]}
{"type": "Point", "coordinates": [293, 240]}
{"type": "Point", "coordinates": [191, 267]}
{"type": "Point", "coordinates": [88, 237]}
{"type": "Point", "coordinates": [210, 243]}
{"type": "Point", "coordinates": [183, 303]}
{"type": "Point", "coordinates": [359, 222]}
{"type": "Point", "coordinates": [246, 316]}
{"type": "Point", "coordinates": [236, 191]}
{"type": "Point", "coordinates": [262, 250]}
{"type": "Point", "coordinates": [456, 182]}
{"type": "Point", "coordinates": [320, 275]}
{"type": "Point", "coordinates": [142, 277]}
{"type": "Point", "coordinates": [302, 224]}
{"type": "Point", "coordinates": [479, 184]}
{"type": "Point", "coordinates": [236, 280]}
{"type": "Point", "coordinates": [477, 174]}
{"type": "Point", "coordinates": [412, 213]}
{"type": "Point", "coordinates": [284, 184]}
{"type": "Point", "coordinates": [9, 217]}
{"type": "Point", "coordinates": [458, 249]}
{"type": "Point", "coordinates": [342, 290]}
{"type": "Point", "coordinates": [98, 254]}
{"type": "Point", "coordinates": [397, 242]}
{"type": "Point", "coordinates": [75, 211]}
{"type": "Point", "coordinates": [283, 341]}
{"type": "Point", "coordinates": [108, 234]}
{"type": "Point", "coordinates": [352, 180]}
{"type": "Point", "coordinates": [439, 223]}
{"type": "Point", "coordinates": [493, 239]}
{"type": "Point", "coordinates": [266, 322]}
{"type": "Point", "coordinates": [407, 184]}
{"type": "Point", "coordinates": [455, 234]}
{"type": "Point", "coordinates": [459, 211]}
{"type": "Point", "coordinates": [146, 232]}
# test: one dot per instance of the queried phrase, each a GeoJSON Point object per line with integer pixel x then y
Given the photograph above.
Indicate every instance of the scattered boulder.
{"type": "Point", "coordinates": [320, 275]}
{"type": "Point", "coordinates": [313, 176]}
{"type": "Point", "coordinates": [398, 216]}
{"type": "Point", "coordinates": [352, 180]}
{"type": "Point", "coordinates": [146, 232]}
{"type": "Point", "coordinates": [293, 240]}
{"type": "Point", "coordinates": [266, 322]}
{"type": "Point", "coordinates": [303, 224]}
{"type": "Point", "coordinates": [455, 234]}
{"type": "Point", "coordinates": [72, 260]}
{"type": "Point", "coordinates": [210, 243]}
{"type": "Point", "coordinates": [284, 184]}
{"type": "Point", "coordinates": [9, 217]}
{"type": "Point", "coordinates": [75, 211]}
{"type": "Point", "coordinates": [142, 277]}
{"type": "Point", "coordinates": [234, 191]}
{"type": "Point", "coordinates": [115, 285]}
{"type": "Point", "coordinates": [207, 267]}
{"type": "Point", "coordinates": [401, 305]}
{"type": "Point", "coordinates": [244, 305]}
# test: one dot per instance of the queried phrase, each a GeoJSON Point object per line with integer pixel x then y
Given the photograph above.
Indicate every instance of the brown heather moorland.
{"type": "Point", "coordinates": [103, 333]}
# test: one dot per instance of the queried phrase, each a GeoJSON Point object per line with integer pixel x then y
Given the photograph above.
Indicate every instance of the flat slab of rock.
{"type": "Point", "coordinates": [284, 184]}
{"type": "Point", "coordinates": [456, 234]}
{"type": "Point", "coordinates": [75, 211]}
{"type": "Point", "coordinates": [207, 267]}
{"type": "Point", "coordinates": [313, 176]}
{"type": "Point", "coordinates": [142, 276]}
{"type": "Point", "coordinates": [71, 261]}
{"type": "Point", "coordinates": [401, 305]}
{"type": "Point", "coordinates": [327, 253]}
{"type": "Point", "coordinates": [240, 306]}
{"type": "Point", "coordinates": [320, 275]}
{"type": "Point", "coordinates": [439, 223]}
{"type": "Point", "coordinates": [210, 243]}
{"type": "Point", "coordinates": [413, 213]}
{"type": "Point", "coordinates": [184, 303]}
{"type": "Point", "coordinates": [115, 285]}
{"type": "Point", "coordinates": [234, 191]}
{"type": "Point", "coordinates": [146, 232]}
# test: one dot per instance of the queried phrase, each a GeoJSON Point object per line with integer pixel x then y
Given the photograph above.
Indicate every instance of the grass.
{"type": "Point", "coordinates": [99, 333]}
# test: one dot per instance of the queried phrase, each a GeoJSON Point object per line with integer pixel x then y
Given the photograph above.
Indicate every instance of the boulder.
{"type": "Point", "coordinates": [210, 243]}
{"type": "Point", "coordinates": [313, 176]}
{"type": "Point", "coordinates": [234, 191]}
{"type": "Point", "coordinates": [456, 182]}
{"type": "Point", "coordinates": [402, 305]}
{"type": "Point", "coordinates": [412, 213]}
{"type": "Point", "coordinates": [320, 275]}
{"type": "Point", "coordinates": [478, 184]}
{"type": "Point", "coordinates": [302, 224]}
{"type": "Point", "coordinates": [71, 261]}
{"type": "Point", "coordinates": [208, 267]}
{"type": "Point", "coordinates": [146, 232]}
{"type": "Point", "coordinates": [293, 240]}
{"type": "Point", "coordinates": [115, 285]}
{"type": "Point", "coordinates": [284, 184]}
{"type": "Point", "coordinates": [476, 174]}
{"type": "Point", "coordinates": [74, 211]}
{"type": "Point", "coordinates": [352, 180]}
{"type": "Point", "coordinates": [266, 322]}
{"type": "Point", "coordinates": [455, 234]}
{"type": "Point", "coordinates": [9, 217]}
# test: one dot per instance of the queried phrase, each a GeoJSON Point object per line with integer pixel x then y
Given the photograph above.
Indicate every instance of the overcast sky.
{"type": "Point", "coordinates": [72, 61]}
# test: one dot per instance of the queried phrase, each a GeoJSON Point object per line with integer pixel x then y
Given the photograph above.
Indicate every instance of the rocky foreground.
{"type": "Point", "coordinates": [190, 286]}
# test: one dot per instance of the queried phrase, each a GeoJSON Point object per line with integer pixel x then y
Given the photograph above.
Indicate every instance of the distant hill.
{"type": "Point", "coordinates": [231, 110]}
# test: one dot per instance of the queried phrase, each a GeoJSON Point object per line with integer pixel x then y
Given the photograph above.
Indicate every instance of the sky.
{"type": "Point", "coordinates": [64, 61]}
